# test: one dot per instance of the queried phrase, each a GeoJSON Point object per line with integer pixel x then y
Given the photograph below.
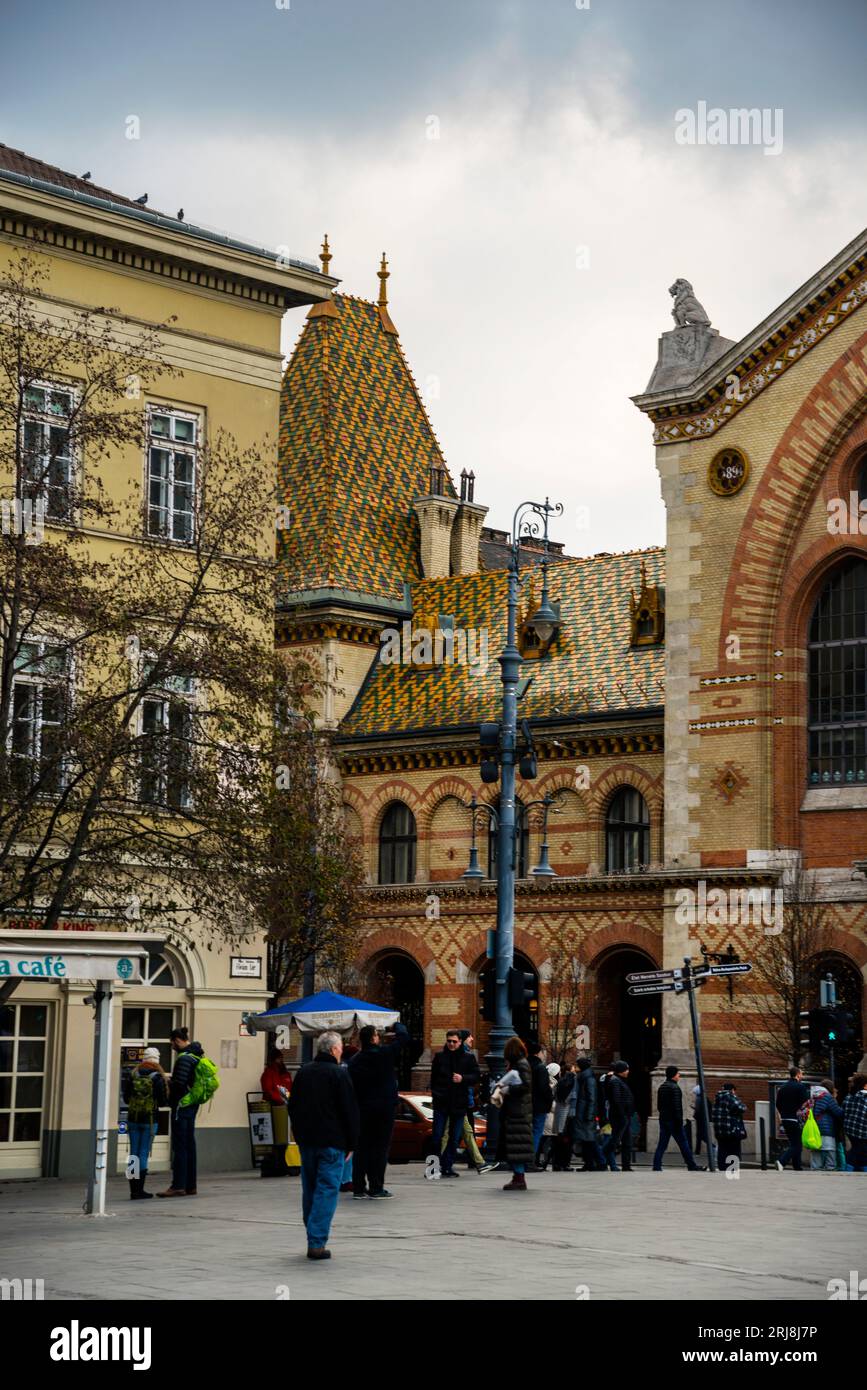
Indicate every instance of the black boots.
{"type": "Point", "coordinates": [136, 1189]}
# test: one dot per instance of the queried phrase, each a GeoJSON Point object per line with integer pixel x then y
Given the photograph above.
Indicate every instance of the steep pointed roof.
{"type": "Point", "coordinates": [356, 446]}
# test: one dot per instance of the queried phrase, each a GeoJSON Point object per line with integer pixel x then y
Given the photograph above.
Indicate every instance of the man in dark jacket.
{"type": "Point", "coordinates": [183, 1117]}
{"type": "Point", "coordinates": [324, 1115]}
{"type": "Point", "coordinates": [669, 1107]}
{"type": "Point", "coordinates": [453, 1074]}
{"type": "Point", "coordinates": [374, 1079]}
{"type": "Point", "coordinates": [621, 1108]}
{"type": "Point", "coordinates": [542, 1097]}
{"type": "Point", "coordinates": [727, 1118]}
{"type": "Point", "coordinates": [790, 1098]}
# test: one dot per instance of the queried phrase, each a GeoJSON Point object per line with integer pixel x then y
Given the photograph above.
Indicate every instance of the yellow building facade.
{"type": "Point", "coordinates": [218, 305]}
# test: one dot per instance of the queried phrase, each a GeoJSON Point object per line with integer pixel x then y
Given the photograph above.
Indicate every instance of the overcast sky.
{"type": "Point", "coordinates": [531, 243]}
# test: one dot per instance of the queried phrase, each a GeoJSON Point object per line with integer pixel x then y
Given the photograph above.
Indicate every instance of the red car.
{"type": "Point", "coordinates": [413, 1127]}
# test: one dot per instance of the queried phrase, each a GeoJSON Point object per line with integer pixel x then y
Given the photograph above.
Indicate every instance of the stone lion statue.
{"type": "Point", "coordinates": [687, 309]}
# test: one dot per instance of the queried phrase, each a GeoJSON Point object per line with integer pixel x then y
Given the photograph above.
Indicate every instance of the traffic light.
{"type": "Point", "coordinates": [489, 737]}
{"type": "Point", "coordinates": [528, 766]}
{"type": "Point", "coordinates": [839, 1027]}
{"type": "Point", "coordinates": [522, 987]}
{"type": "Point", "coordinates": [818, 1039]}
{"type": "Point", "coordinates": [804, 1030]}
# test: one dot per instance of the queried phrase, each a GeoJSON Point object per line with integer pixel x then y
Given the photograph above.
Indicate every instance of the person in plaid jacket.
{"type": "Point", "coordinates": [855, 1121]}
{"type": "Point", "coordinates": [727, 1118]}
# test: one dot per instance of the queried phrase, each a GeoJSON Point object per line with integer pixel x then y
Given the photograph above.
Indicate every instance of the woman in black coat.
{"type": "Point", "coordinates": [515, 1141]}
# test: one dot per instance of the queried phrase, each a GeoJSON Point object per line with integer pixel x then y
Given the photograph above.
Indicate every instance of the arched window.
{"type": "Point", "coordinates": [627, 827]}
{"type": "Point", "coordinates": [837, 720]}
{"type": "Point", "coordinates": [522, 843]}
{"type": "Point", "coordinates": [158, 970]}
{"type": "Point", "coordinates": [397, 839]}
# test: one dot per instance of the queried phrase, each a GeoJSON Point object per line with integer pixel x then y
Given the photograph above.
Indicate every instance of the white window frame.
{"type": "Point", "coordinates": [184, 691]}
{"type": "Point", "coordinates": [46, 421]}
{"type": "Point", "coordinates": [36, 681]}
{"type": "Point", "coordinates": [176, 450]}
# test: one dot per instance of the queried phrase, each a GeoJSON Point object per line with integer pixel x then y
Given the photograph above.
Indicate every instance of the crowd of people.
{"type": "Point", "coordinates": [342, 1108]}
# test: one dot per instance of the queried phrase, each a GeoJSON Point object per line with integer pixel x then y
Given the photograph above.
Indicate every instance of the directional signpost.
{"type": "Point", "coordinates": [677, 982]}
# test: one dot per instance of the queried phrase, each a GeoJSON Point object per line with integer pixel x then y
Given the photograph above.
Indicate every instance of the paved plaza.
{"type": "Point", "coordinates": [674, 1235]}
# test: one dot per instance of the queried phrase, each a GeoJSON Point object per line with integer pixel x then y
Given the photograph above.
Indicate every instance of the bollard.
{"type": "Point", "coordinates": [763, 1143]}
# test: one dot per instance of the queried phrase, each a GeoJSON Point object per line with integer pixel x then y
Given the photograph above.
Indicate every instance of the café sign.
{"type": "Point", "coordinates": [20, 964]}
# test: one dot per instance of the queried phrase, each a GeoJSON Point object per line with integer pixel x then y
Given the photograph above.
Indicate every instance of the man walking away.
{"type": "Point", "coordinates": [621, 1108]}
{"type": "Point", "coordinates": [454, 1072]}
{"type": "Point", "coordinates": [542, 1098]}
{"type": "Point", "coordinates": [374, 1079]}
{"type": "Point", "coordinates": [324, 1115]}
{"type": "Point", "coordinates": [727, 1118]}
{"type": "Point", "coordinates": [584, 1107]}
{"type": "Point", "coordinates": [183, 1117]}
{"type": "Point", "coordinates": [790, 1098]}
{"type": "Point", "coordinates": [669, 1108]}
{"type": "Point", "coordinates": [855, 1122]}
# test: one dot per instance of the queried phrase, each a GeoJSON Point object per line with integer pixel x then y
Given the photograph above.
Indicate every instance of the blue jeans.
{"type": "Point", "coordinates": [538, 1131]}
{"type": "Point", "coordinates": [184, 1147]}
{"type": "Point", "coordinates": [321, 1175]}
{"type": "Point", "coordinates": [140, 1140]}
{"type": "Point", "coordinates": [456, 1130]}
{"type": "Point", "coordinates": [668, 1130]}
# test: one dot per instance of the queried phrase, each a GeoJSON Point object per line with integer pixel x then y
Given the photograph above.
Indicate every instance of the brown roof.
{"type": "Point", "coordinates": [17, 162]}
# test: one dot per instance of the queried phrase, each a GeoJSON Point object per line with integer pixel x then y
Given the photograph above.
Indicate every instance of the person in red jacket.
{"type": "Point", "coordinates": [276, 1079]}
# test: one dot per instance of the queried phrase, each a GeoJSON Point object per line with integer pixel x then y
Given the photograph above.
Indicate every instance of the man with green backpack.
{"type": "Point", "coordinates": [194, 1081]}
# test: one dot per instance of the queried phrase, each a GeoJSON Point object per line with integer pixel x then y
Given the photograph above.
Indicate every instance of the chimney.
{"type": "Point", "coordinates": [467, 528]}
{"type": "Point", "coordinates": [436, 515]}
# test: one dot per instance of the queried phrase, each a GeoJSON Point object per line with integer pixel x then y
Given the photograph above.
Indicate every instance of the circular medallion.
{"type": "Point", "coordinates": [727, 472]}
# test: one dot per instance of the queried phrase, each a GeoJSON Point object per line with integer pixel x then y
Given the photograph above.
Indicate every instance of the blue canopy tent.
{"type": "Point", "coordinates": [322, 1011]}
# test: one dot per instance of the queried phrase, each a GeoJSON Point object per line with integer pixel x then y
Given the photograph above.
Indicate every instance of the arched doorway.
{"type": "Point", "coordinates": [525, 1017]}
{"type": "Point", "coordinates": [624, 1026]}
{"type": "Point", "coordinates": [396, 982]}
{"type": "Point", "coordinates": [850, 990]}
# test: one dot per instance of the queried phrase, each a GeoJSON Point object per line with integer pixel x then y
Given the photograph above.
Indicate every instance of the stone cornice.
{"type": "Point", "coordinates": [416, 751]}
{"type": "Point", "coordinates": [653, 881]}
{"type": "Point", "coordinates": [782, 339]}
{"type": "Point", "coordinates": [118, 239]}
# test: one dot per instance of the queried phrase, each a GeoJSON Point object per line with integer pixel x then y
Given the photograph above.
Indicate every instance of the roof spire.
{"type": "Point", "coordinates": [384, 315]}
{"type": "Point", "coordinates": [383, 274]}
{"type": "Point", "coordinates": [325, 254]}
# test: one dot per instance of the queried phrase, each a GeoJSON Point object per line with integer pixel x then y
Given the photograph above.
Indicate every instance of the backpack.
{"type": "Point", "coordinates": [141, 1107]}
{"type": "Point", "coordinates": [205, 1082]}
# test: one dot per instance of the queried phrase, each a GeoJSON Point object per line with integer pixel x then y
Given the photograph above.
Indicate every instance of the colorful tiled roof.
{"type": "Point", "coordinates": [356, 447]}
{"type": "Point", "coordinates": [591, 669]}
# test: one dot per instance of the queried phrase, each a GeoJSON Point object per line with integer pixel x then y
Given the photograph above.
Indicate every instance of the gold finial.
{"type": "Point", "coordinates": [383, 274]}
{"type": "Point", "coordinates": [325, 255]}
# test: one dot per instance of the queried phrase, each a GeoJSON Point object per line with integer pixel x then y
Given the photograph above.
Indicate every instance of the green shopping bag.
{"type": "Point", "coordinates": [810, 1136]}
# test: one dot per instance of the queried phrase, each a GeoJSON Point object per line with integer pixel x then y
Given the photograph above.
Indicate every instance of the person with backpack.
{"type": "Point", "coordinates": [855, 1122]}
{"type": "Point", "coordinates": [827, 1114]}
{"type": "Point", "coordinates": [194, 1081]}
{"type": "Point", "coordinates": [584, 1106]}
{"type": "Point", "coordinates": [727, 1118]}
{"type": "Point", "coordinates": [144, 1091]}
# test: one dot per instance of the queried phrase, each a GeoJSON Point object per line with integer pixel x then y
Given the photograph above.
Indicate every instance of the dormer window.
{"type": "Point", "coordinates": [647, 613]}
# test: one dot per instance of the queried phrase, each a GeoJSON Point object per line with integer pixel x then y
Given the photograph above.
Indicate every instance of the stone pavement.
{"type": "Point", "coordinates": [674, 1235]}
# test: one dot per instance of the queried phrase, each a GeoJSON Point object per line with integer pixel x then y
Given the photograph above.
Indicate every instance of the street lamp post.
{"type": "Point", "coordinates": [545, 621]}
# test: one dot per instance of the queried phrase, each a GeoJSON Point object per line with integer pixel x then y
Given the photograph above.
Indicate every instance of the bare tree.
{"type": "Point", "coordinates": [784, 967]}
{"type": "Point", "coordinates": [564, 994]}
{"type": "Point", "coordinates": [137, 678]}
